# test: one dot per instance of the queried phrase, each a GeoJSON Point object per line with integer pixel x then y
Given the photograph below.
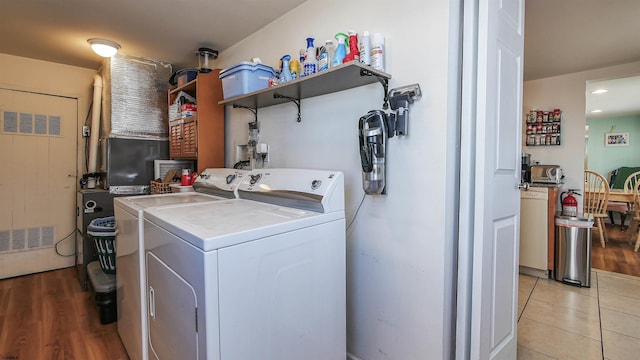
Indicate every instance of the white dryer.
{"type": "Point", "coordinates": [251, 279]}
{"type": "Point", "coordinates": [211, 185]}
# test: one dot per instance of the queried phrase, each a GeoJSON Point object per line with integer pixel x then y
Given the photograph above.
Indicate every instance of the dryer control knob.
{"type": "Point", "coordinates": [255, 179]}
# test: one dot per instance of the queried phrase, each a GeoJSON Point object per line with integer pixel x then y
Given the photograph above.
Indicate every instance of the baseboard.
{"type": "Point", "coordinates": [525, 270]}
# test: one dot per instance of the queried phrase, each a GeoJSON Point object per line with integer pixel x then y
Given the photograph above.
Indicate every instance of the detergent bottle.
{"type": "Point", "coordinates": [341, 49]}
{"type": "Point", "coordinates": [354, 52]}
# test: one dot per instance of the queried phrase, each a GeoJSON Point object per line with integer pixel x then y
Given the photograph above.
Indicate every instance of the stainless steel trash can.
{"type": "Point", "coordinates": [573, 250]}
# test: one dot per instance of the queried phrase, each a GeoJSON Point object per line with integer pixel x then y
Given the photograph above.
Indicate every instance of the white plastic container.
{"type": "Point", "coordinates": [377, 51]}
{"type": "Point", "coordinates": [365, 48]}
{"type": "Point", "coordinates": [176, 188]}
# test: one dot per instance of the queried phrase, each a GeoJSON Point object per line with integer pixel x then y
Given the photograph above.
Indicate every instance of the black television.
{"type": "Point", "coordinates": [130, 163]}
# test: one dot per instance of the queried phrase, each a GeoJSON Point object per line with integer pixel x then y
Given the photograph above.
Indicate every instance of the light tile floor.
{"type": "Point", "coordinates": [558, 321]}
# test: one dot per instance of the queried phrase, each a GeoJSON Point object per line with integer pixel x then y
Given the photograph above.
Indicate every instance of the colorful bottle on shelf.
{"type": "Point", "coordinates": [377, 52]}
{"type": "Point", "coordinates": [323, 58]}
{"type": "Point", "coordinates": [354, 52]}
{"type": "Point", "coordinates": [364, 45]}
{"type": "Point", "coordinates": [294, 66]}
{"type": "Point", "coordinates": [303, 52]}
{"type": "Point", "coordinates": [341, 49]}
{"type": "Point", "coordinates": [331, 50]}
{"type": "Point", "coordinates": [285, 74]}
{"type": "Point", "coordinates": [310, 64]}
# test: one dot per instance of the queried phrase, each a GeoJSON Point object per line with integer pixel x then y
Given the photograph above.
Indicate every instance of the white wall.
{"type": "Point", "coordinates": [605, 159]}
{"type": "Point", "coordinates": [400, 252]}
{"type": "Point", "coordinates": [567, 92]}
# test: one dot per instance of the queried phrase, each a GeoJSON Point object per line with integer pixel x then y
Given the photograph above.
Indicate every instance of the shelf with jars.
{"type": "Point", "coordinates": [542, 127]}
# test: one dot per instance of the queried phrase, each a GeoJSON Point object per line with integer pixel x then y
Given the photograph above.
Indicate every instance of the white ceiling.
{"type": "Point", "coordinates": [567, 36]}
{"type": "Point", "coordinates": [561, 36]}
{"type": "Point", "coordinates": [164, 30]}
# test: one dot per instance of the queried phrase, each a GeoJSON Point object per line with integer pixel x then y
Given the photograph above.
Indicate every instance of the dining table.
{"type": "Point", "coordinates": [617, 195]}
{"type": "Point", "coordinates": [621, 195]}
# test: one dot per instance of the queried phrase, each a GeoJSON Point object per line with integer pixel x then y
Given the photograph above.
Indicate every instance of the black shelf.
{"type": "Point", "coordinates": [345, 76]}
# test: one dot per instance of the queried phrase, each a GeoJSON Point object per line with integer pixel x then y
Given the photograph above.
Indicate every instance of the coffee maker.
{"type": "Point", "coordinates": [526, 168]}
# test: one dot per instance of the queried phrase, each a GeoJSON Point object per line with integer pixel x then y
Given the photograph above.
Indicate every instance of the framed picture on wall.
{"type": "Point", "coordinates": [616, 139]}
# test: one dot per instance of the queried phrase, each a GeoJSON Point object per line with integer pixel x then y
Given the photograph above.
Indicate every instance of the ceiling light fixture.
{"type": "Point", "coordinates": [104, 48]}
{"type": "Point", "coordinates": [600, 91]}
{"type": "Point", "coordinates": [596, 111]}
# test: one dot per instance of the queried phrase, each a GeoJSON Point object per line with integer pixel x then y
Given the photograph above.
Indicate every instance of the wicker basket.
{"type": "Point", "coordinates": [160, 187]}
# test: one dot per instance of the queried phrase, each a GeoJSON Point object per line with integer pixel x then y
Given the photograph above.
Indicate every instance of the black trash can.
{"type": "Point", "coordinates": [573, 250]}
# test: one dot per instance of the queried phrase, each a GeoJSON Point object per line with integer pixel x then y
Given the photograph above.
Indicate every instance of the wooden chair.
{"type": "Point", "coordinates": [622, 207]}
{"type": "Point", "coordinates": [596, 196]}
{"type": "Point", "coordinates": [635, 221]}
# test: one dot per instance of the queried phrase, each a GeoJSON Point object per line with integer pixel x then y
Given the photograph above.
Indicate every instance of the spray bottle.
{"type": "Point", "coordinates": [285, 73]}
{"type": "Point", "coordinates": [341, 49]}
{"type": "Point", "coordinates": [354, 52]}
{"type": "Point", "coordinates": [310, 64]}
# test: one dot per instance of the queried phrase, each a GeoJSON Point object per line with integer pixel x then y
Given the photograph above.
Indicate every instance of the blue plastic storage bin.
{"type": "Point", "coordinates": [244, 78]}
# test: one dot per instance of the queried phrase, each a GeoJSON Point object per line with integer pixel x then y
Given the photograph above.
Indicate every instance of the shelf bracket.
{"type": "Point", "coordinates": [253, 110]}
{"type": "Point", "coordinates": [383, 81]}
{"type": "Point", "coordinates": [293, 100]}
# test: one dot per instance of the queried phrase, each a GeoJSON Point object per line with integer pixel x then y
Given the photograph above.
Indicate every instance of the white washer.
{"type": "Point", "coordinates": [211, 185]}
{"type": "Point", "coordinates": [244, 279]}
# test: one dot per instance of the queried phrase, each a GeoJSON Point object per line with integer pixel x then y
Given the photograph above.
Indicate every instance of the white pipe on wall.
{"type": "Point", "coordinates": [95, 130]}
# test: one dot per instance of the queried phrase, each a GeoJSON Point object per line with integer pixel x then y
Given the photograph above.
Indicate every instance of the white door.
{"type": "Point", "coordinates": [172, 313]}
{"type": "Point", "coordinates": [490, 173]}
{"type": "Point", "coordinates": [38, 137]}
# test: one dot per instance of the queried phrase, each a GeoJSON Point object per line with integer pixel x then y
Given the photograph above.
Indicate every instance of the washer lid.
{"type": "Point", "coordinates": [136, 203]}
{"type": "Point", "coordinates": [215, 225]}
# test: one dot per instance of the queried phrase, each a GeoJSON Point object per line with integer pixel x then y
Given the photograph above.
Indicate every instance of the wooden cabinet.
{"type": "Point", "coordinates": [199, 137]}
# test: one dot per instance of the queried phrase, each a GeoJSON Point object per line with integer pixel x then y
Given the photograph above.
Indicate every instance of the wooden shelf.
{"type": "Point", "coordinates": [342, 77]}
{"type": "Point", "coordinates": [200, 137]}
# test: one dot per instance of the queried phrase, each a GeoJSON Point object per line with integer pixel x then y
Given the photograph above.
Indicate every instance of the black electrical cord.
{"type": "Point", "coordinates": [357, 211]}
{"type": "Point", "coordinates": [240, 164]}
{"type": "Point", "coordinates": [63, 239]}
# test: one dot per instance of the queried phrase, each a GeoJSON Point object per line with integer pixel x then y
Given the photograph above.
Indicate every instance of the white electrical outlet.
{"type": "Point", "coordinates": [262, 148]}
{"type": "Point", "coordinates": [86, 131]}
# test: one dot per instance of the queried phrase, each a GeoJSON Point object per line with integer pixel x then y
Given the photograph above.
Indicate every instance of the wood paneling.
{"type": "Point", "coordinates": [48, 316]}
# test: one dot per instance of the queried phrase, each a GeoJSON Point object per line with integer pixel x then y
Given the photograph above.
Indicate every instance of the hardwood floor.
{"type": "Point", "coordinates": [618, 256]}
{"type": "Point", "coordinates": [48, 316]}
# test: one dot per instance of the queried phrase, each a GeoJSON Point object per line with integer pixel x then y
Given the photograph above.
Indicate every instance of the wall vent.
{"type": "Point", "coordinates": [26, 239]}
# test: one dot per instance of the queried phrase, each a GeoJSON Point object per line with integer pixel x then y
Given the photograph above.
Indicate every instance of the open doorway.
{"type": "Point", "coordinates": [612, 117]}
